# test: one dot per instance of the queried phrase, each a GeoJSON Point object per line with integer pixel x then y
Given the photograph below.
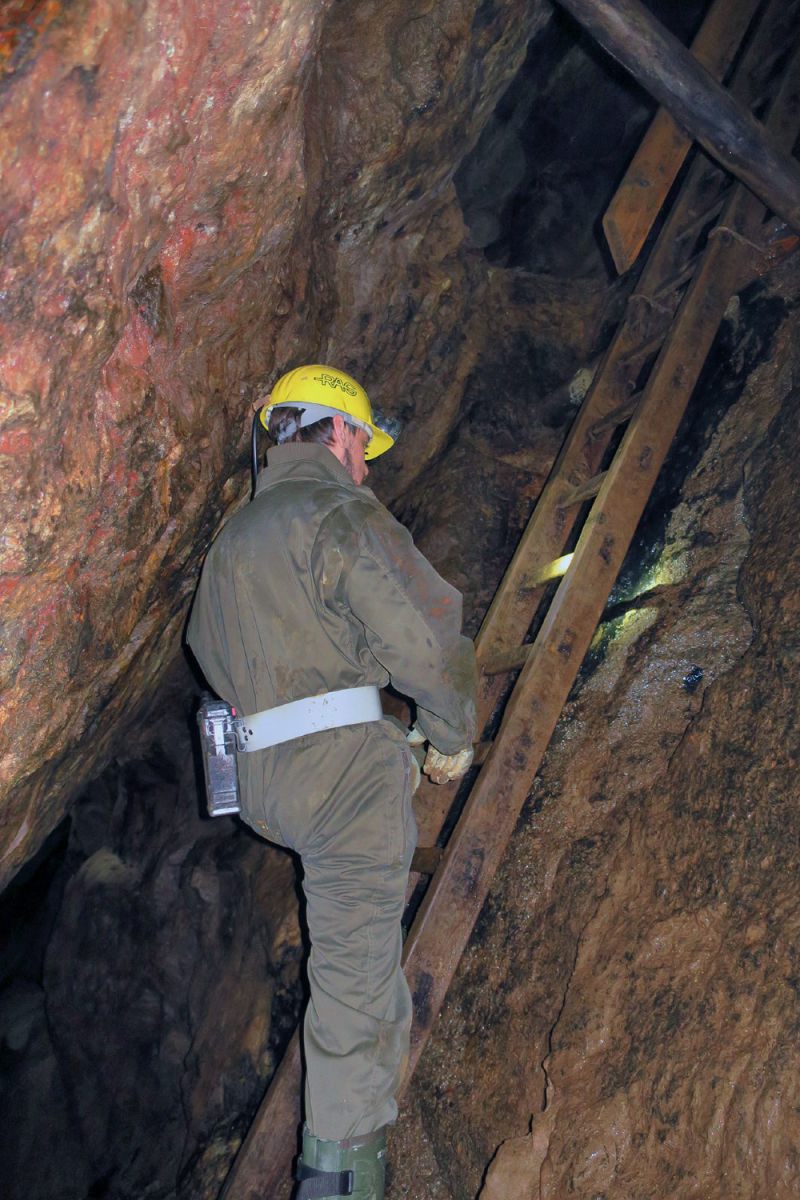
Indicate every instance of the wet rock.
{"type": "Point", "coordinates": [630, 986]}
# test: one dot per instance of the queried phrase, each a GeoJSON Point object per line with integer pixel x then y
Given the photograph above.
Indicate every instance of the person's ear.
{"type": "Point", "coordinates": [339, 426]}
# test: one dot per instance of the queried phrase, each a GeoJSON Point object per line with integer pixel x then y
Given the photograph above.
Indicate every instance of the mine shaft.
{"type": "Point", "coordinates": [283, 284]}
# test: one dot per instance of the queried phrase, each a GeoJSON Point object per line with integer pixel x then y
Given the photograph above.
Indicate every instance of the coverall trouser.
{"type": "Point", "coordinates": [342, 800]}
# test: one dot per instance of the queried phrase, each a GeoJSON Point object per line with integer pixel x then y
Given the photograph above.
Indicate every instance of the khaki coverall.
{"type": "Point", "coordinates": [311, 588]}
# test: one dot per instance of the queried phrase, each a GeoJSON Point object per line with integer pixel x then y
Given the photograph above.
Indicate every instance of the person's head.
{"type": "Point", "coordinates": [322, 404]}
{"type": "Point", "coordinates": [346, 441]}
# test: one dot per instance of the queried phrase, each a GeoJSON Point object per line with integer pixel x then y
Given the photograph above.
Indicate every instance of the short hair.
{"type": "Point", "coordinates": [286, 418]}
{"type": "Point", "coordinates": [284, 426]}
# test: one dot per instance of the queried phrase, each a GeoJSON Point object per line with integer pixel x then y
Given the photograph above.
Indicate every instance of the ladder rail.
{"type": "Point", "coordinates": [645, 324]}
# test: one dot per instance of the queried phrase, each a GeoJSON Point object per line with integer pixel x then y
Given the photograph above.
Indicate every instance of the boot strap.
{"type": "Point", "coordinates": [323, 1185]}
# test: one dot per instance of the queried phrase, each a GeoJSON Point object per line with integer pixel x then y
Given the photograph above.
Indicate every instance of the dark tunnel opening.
{"type": "Point", "coordinates": [533, 188]}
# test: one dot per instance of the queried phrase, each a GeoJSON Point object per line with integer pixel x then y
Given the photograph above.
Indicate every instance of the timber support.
{"type": "Point", "coordinates": [723, 127]}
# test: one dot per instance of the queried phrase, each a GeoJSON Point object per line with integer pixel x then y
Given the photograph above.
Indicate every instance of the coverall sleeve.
{"type": "Point", "coordinates": [412, 622]}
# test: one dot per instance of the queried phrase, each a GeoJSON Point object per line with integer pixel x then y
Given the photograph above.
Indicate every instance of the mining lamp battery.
{"type": "Point", "coordinates": [218, 746]}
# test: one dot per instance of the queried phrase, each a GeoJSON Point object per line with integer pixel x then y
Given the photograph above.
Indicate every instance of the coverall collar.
{"type": "Point", "coordinates": [304, 460]}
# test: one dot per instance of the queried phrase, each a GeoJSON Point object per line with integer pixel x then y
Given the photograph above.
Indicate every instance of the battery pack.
{"type": "Point", "coordinates": [218, 745]}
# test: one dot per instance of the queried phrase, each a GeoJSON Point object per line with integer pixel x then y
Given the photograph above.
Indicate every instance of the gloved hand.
{"type": "Point", "coordinates": [444, 768]}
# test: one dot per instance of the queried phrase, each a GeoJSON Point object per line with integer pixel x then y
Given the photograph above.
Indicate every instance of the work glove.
{"type": "Point", "coordinates": [444, 768]}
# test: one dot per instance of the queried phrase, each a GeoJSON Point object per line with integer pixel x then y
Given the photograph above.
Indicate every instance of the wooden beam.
{"type": "Point", "coordinates": [705, 109]}
{"type": "Point", "coordinates": [645, 186]}
{"type": "Point", "coordinates": [262, 1170]}
{"type": "Point", "coordinates": [426, 859]}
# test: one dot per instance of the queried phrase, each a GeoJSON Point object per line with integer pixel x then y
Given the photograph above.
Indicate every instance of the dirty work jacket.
{"type": "Point", "coordinates": [314, 586]}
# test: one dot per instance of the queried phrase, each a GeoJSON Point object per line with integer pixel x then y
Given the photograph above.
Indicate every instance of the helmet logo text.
{"type": "Point", "coordinates": [333, 381]}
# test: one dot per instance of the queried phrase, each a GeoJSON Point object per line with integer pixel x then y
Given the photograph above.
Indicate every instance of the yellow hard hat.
{"type": "Point", "coordinates": [324, 391]}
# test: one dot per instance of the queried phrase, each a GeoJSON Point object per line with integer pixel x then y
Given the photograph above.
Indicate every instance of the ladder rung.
{"type": "Point", "coordinates": [761, 101]}
{"type": "Point", "coordinates": [768, 62]}
{"type": "Point", "coordinates": [584, 491]}
{"type": "Point", "coordinates": [481, 753]}
{"type": "Point", "coordinates": [512, 660]}
{"type": "Point", "coordinates": [713, 172]}
{"type": "Point", "coordinates": [553, 570]}
{"type": "Point", "coordinates": [426, 859]}
{"type": "Point", "coordinates": [642, 349]}
{"type": "Point", "coordinates": [678, 279]}
{"type": "Point", "coordinates": [762, 97]}
{"type": "Point", "coordinates": [694, 226]}
{"type": "Point", "coordinates": [617, 416]}
{"type": "Point", "coordinates": [509, 660]}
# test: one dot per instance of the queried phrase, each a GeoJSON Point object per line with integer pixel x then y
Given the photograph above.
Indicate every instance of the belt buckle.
{"type": "Point", "coordinates": [242, 734]}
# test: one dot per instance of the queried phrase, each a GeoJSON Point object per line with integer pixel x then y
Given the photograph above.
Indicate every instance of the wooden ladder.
{"type": "Point", "coordinates": [714, 241]}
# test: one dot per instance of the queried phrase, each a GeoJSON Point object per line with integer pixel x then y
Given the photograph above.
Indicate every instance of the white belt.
{"type": "Point", "coordinates": [350, 706]}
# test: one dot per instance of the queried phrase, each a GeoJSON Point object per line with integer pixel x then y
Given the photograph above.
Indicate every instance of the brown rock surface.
{"type": "Point", "coordinates": [630, 992]}
{"type": "Point", "coordinates": [197, 195]}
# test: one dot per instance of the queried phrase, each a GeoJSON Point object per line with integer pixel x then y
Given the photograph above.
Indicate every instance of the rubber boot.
{"type": "Point", "coordinates": [354, 1168]}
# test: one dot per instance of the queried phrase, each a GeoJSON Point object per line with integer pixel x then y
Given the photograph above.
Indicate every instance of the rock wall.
{"type": "Point", "coordinates": [197, 196]}
{"type": "Point", "coordinates": [625, 1019]}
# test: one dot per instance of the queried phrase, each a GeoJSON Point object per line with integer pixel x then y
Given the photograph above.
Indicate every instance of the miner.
{"type": "Point", "coordinates": [311, 599]}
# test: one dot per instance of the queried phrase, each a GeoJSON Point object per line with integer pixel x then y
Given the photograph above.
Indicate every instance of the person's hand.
{"type": "Point", "coordinates": [444, 768]}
